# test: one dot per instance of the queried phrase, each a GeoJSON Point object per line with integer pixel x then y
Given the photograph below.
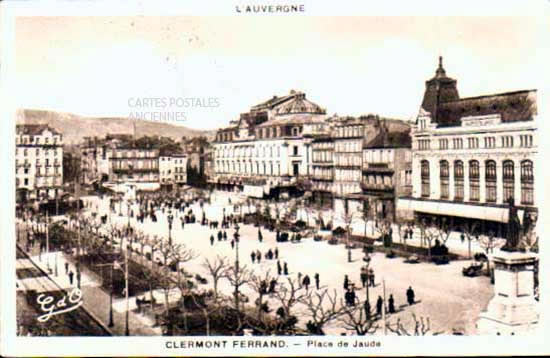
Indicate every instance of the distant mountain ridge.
{"type": "Point", "coordinates": [75, 128]}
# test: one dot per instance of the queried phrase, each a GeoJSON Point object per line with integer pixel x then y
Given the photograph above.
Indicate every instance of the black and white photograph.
{"type": "Point", "coordinates": [260, 180]}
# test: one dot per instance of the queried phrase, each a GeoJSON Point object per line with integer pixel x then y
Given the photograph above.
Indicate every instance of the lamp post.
{"type": "Point", "coordinates": [366, 267]}
{"type": "Point", "coordinates": [170, 220]}
{"type": "Point", "coordinates": [236, 236]}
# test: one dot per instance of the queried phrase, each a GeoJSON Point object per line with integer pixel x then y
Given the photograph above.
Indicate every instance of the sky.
{"type": "Point", "coordinates": [110, 66]}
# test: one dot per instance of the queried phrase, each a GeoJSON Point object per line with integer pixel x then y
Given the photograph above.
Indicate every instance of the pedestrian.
{"type": "Point", "coordinates": [285, 269]}
{"type": "Point", "coordinates": [211, 240]}
{"type": "Point", "coordinates": [260, 237]}
{"type": "Point", "coordinates": [410, 296]}
{"type": "Point", "coordinates": [224, 235]}
{"type": "Point", "coordinates": [253, 256]}
{"type": "Point", "coordinates": [364, 277]}
{"type": "Point", "coordinates": [462, 237]}
{"type": "Point", "coordinates": [300, 278]}
{"type": "Point", "coordinates": [306, 281]}
{"type": "Point", "coordinates": [220, 235]}
{"type": "Point", "coordinates": [66, 267]}
{"type": "Point", "coordinates": [258, 256]}
{"type": "Point", "coordinates": [347, 297]}
{"type": "Point", "coordinates": [279, 267]}
{"type": "Point", "coordinates": [391, 306]}
{"type": "Point", "coordinates": [276, 253]}
{"type": "Point", "coordinates": [352, 297]}
{"type": "Point", "coordinates": [379, 304]}
{"type": "Point", "coordinates": [346, 282]}
{"type": "Point", "coordinates": [71, 274]}
{"type": "Point", "coordinates": [272, 285]}
{"type": "Point", "coordinates": [366, 307]}
{"type": "Point", "coordinates": [371, 278]}
{"type": "Point", "coordinates": [232, 244]}
{"type": "Point", "coordinates": [316, 280]}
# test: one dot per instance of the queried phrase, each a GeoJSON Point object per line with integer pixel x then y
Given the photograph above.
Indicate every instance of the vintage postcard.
{"type": "Point", "coordinates": [274, 178]}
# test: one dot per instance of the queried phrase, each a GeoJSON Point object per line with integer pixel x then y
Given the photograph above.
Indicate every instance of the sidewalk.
{"type": "Point", "coordinates": [96, 299]}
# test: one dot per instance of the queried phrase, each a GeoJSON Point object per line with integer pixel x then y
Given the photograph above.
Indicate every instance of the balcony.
{"type": "Point", "coordinates": [376, 186]}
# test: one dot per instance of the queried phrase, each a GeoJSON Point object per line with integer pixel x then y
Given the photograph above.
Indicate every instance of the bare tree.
{"type": "Point", "coordinates": [348, 217]}
{"type": "Point", "coordinates": [421, 327]}
{"type": "Point", "coordinates": [238, 277]}
{"type": "Point", "coordinates": [357, 319]}
{"type": "Point", "coordinates": [260, 286]}
{"type": "Point", "coordinates": [488, 242]}
{"type": "Point", "coordinates": [470, 230]}
{"type": "Point", "coordinates": [217, 269]}
{"type": "Point", "coordinates": [323, 307]}
{"type": "Point", "coordinates": [288, 294]}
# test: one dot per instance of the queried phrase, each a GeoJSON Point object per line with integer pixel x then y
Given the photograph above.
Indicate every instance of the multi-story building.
{"type": "Point", "coordinates": [38, 162]}
{"type": "Point", "coordinates": [386, 171]}
{"type": "Point", "coordinates": [134, 165]}
{"type": "Point", "coordinates": [265, 151]}
{"type": "Point", "coordinates": [322, 169]}
{"type": "Point", "coordinates": [173, 170]}
{"type": "Point", "coordinates": [180, 168]}
{"type": "Point", "coordinates": [473, 157]}
{"type": "Point", "coordinates": [348, 136]}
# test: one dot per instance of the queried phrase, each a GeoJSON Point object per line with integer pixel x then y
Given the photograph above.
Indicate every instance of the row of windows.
{"type": "Point", "coordinates": [31, 139]}
{"type": "Point", "coordinates": [347, 159]}
{"type": "Point", "coordinates": [348, 146]}
{"type": "Point", "coordinates": [323, 145]}
{"type": "Point", "coordinates": [346, 188]}
{"type": "Point", "coordinates": [508, 180]}
{"type": "Point", "coordinates": [56, 162]}
{"type": "Point", "coordinates": [249, 151]}
{"type": "Point", "coordinates": [372, 179]}
{"type": "Point", "coordinates": [39, 182]}
{"type": "Point", "coordinates": [47, 151]}
{"type": "Point", "coordinates": [322, 156]}
{"type": "Point", "coordinates": [322, 173]}
{"type": "Point", "coordinates": [349, 131]}
{"type": "Point", "coordinates": [134, 154]}
{"type": "Point", "coordinates": [347, 175]}
{"type": "Point", "coordinates": [507, 141]}
{"type": "Point", "coordinates": [379, 156]}
{"type": "Point", "coordinates": [262, 168]}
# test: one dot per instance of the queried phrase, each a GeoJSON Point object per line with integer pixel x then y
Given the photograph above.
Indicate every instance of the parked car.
{"type": "Point", "coordinates": [473, 270]}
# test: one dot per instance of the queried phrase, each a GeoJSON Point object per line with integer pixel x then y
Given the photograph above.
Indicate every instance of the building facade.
{"type": "Point", "coordinates": [134, 164]}
{"type": "Point", "coordinates": [348, 136]}
{"type": "Point", "coordinates": [386, 173]}
{"type": "Point", "coordinates": [172, 170]}
{"type": "Point", "coordinates": [473, 157]}
{"type": "Point", "coordinates": [38, 162]}
{"type": "Point", "coordinates": [265, 151]}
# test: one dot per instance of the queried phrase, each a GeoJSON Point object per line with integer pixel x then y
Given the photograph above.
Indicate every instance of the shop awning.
{"type": "Point", "coordinates": [465, 210]}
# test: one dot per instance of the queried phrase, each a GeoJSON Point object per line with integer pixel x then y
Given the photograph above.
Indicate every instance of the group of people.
{"type": "Point", "coordinates": [256, 256]}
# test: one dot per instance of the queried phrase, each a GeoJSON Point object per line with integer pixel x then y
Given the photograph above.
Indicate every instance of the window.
{"type": "Point", "coordinates": [459, 180]}
{"type": "Point", "coordinates": [527, 182]}
{"type": "Point", "coordinates": [473, 143]}
{"type": "Point", "coordinates": [425, 177]}
{"type": "Point", "coordinates": [508, 180]}
{"type": "Point", "coordinates": [443, 144]}
{"type": "Point", "coordinates": [444, 178]}
{"type": "Point", "coordinates": [507, 141]}
{"type": "Point", "coordinates": [423, 144]}
{"type": "Point", "coordinates": [474, 180]}
{"type": "Point", "coordinates": [457, 143]}
{"type": "Point", "coordinates": [489, 142]}
{"type": "Point", "coordinates": [526, 140]}
{"type": "Point", "coordinates": [491, 181]}
{"type": "Point", "coordinates": [295, 150]}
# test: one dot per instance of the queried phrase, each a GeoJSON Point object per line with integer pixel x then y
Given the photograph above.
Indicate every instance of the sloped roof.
{"type": "Point", "coordinates": [512, 107]}
{"type": "Point", "coordinates": [34, 129]}
{"type": "Point", "coordinates": [302, 118]}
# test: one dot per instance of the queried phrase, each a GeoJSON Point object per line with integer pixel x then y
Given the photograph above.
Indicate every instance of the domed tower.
{"type": "Point", "coordinates": [439, 89]}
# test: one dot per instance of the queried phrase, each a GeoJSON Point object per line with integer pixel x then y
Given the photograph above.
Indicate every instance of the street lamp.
{"type": "Point", "coordinates": [170, 220]}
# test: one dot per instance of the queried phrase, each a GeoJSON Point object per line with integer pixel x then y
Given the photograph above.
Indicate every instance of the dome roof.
{"type": "Point", "coordinates": [298, 104]}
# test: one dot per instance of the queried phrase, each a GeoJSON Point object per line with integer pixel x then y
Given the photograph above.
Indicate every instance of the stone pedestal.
{"type": "Point", "coordinates": [513, 308]}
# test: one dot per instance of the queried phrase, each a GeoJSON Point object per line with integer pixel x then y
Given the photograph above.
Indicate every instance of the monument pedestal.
{"type": "Point", "coordinates": [513, 309]}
